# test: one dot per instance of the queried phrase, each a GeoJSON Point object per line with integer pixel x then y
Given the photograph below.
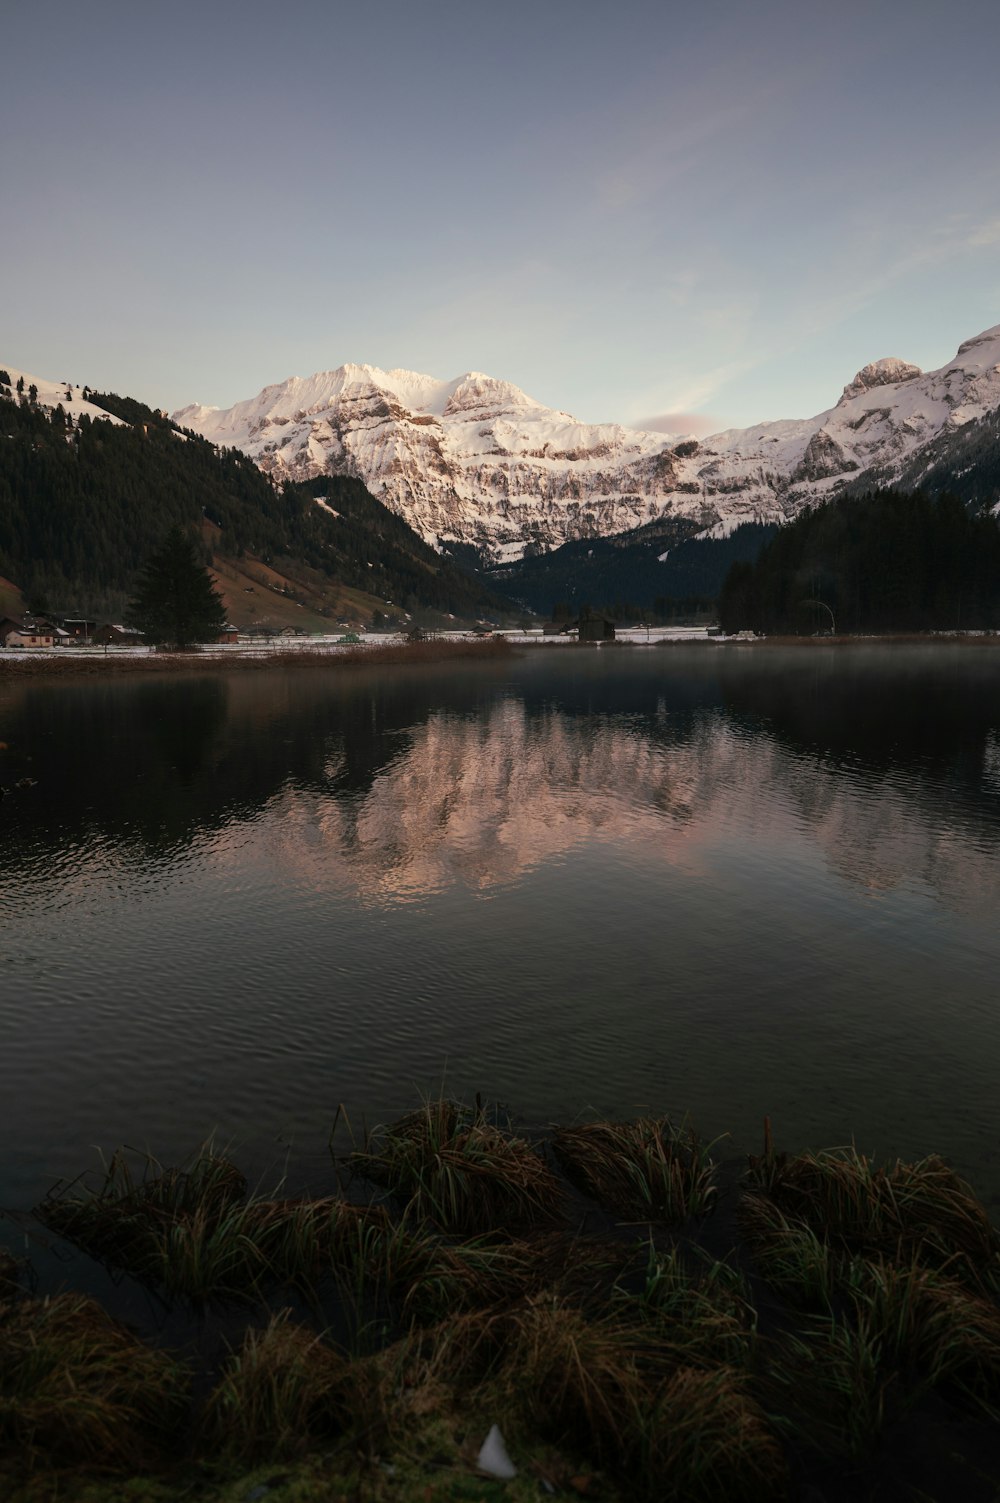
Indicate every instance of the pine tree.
{"type": "Point", "coordinates": [176, 602]}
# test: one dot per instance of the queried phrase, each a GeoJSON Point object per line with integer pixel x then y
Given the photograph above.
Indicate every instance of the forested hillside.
{"type": "Point", "coordinates": [888, 561]}
{"type": "Point", "coordinates": [656, 568]}
{"type": "Point", "coordinates": [83, 504]}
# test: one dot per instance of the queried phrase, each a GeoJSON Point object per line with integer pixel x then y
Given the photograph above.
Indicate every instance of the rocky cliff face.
{"type": "Point", "coordinates": [477, 461]}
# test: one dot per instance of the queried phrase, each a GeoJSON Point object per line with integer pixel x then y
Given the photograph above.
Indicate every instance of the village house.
{"type": "Point", "coordinates": [25, 634]}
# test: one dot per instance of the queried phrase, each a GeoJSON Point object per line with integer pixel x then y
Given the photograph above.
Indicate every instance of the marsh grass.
{"type": "Point", "coordinates": [922, 1210]}
{"type": "Point", "coordinates": [460, 1297]}
{"type": "Point", "coordinates": [931, 1325]}
{"type": "Point", "coordinates": [648, 1169]}
{"type": "Point", "coordinates": [77, 1388]}
{"type": "Point", "coordinates": [194, 1232]}
{"type": "Point", "coordinates": [705, 1438]}
{"type": "Point", "coordinates": [454, 1166]}
{"type": "Point", "coordinates": [698, 1307]}
{"type": "Point", "coordinates": [831, 1387]}
{"type": "Point", "coordinates": [279, 1394]}
{"type": "Point", "coordinates": [577, 1377]}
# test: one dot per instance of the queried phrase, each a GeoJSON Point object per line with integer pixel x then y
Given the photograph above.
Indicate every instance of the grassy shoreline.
{"type": "Point", "coordinates": [69, 665]}
{"type": "Point", "coordinates": [640, 1323]}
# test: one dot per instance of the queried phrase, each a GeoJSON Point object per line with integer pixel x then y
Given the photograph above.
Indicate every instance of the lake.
{"type": "Point", "coordinates": [715, 880]}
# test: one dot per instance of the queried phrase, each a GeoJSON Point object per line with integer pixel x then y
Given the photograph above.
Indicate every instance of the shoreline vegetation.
{"type": "Point", "coordinates": [641, 1319]}
{"type": "Point", "coordinates": [68, 663]}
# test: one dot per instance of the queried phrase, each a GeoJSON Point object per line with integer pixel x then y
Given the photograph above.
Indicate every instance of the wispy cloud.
{"type": "Point", "coordinates": [698, 423]}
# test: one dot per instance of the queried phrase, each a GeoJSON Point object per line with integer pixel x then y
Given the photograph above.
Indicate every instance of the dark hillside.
{"type": "Point", "coordinates": [879, 562]}
{"type": "Point", "coordinates": [82, 505]}
{"type": "Point", "coordinates": [628, 567]}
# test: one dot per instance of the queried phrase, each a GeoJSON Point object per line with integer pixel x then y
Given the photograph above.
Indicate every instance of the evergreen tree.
{"type": "Point", "coordinates": [176, 602]}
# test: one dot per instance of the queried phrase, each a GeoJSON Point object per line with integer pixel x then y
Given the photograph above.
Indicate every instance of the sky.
{"type": "Point", "coordinates": [675, 215]}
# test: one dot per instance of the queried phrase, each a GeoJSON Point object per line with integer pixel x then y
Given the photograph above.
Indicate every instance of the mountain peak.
{"type": "Point", "coordinates": [887, 372]}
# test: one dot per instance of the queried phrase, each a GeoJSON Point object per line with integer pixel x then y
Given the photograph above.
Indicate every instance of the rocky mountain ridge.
{"type": "Point", "coordinates": [475, 461]}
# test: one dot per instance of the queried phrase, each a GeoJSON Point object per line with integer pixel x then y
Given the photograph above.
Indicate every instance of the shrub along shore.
{"type": "Point", "coordinates": [640, 1320]}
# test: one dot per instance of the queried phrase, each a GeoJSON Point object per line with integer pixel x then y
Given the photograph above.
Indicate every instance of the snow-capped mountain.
{"type": "Point", "coordinates": [476, 461]}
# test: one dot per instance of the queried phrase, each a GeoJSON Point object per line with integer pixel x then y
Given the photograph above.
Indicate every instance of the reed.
{"type": "Point", "coordinates": [450, 1164]}
{"type": "Point", "coordinates": [648, 1169]}
{"type": "Point", "coordinates": [78, 1389]}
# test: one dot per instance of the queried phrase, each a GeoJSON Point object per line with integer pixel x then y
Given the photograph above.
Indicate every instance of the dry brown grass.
{"type": "Point", "coordinates": [280, 1394]}
{"type": "Point", "coordinates": [704, 1439]}
{"type": "Point", "coordinates": [77, 1388]}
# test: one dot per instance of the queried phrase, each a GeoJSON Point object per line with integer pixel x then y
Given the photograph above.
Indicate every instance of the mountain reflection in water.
{"type": "Point", "coordinates": [731, 882]}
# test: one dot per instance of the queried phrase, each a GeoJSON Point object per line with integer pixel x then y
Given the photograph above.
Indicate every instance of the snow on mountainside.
{"type": "Point", "coordinates": [477, 461]}
{"type": "Point", "coordinates": [54, 394]}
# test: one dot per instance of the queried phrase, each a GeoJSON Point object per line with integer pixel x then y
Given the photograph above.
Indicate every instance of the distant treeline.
{"type": "Point", "coordinates": [83, 503]}
{"type": "Point", "coordinates": [883, 561]}
{"type": "Point", "coordinates": [649, 571]}
{"type": "Point", "coordinates": [664, 610]}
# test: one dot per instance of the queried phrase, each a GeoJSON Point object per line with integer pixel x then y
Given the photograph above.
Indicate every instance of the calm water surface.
{"type": "Point", "coordinates": [709, 880]}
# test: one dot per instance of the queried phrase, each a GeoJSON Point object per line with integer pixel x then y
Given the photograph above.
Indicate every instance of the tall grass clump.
{"type": "Point", "coordinates": [704, 1438]}
{"type": "Point", "coordinates": [279, 1394]}
{"type": "Point", "coordinates": [452, 1165]}
{"type": "Point", "coordinates": [78, 1389]}
{"type": "Point", "coordinates": [699, 1308]}
{"type": "Point", "coordinates": [833, 1386]}
{"type": "Point", "coordinates": [922, 1210]}
{"type": "Point", "coordinates": [931, 1327]}
{"type": "Point", "coordinates": [789, 1255]}
{"type": "Point", "coordinates": [194, 1232]}
{"type": "Point", "coordinates": [575, 1377]}
{"type": "Point", "coordinates": [648, 1169]}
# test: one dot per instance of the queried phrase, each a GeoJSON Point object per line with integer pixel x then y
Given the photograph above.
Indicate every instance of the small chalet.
{"type": "Point", "coordinates": [229, 634]}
